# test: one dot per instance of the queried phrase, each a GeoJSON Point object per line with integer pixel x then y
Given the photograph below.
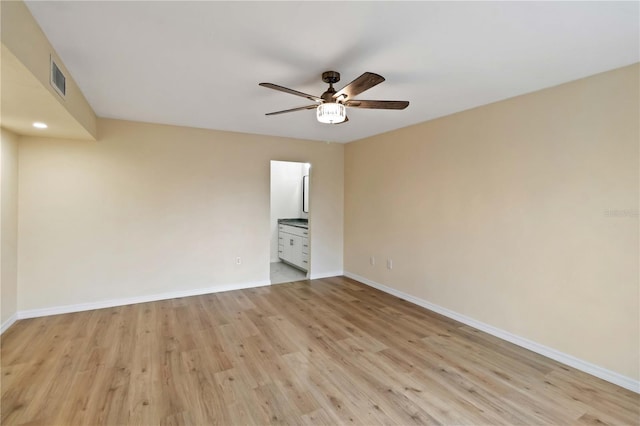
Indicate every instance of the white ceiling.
{"type": "Point", "coordinates": [199, 63]}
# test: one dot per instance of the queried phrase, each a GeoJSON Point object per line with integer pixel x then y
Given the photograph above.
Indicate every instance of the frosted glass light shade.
{"type": "Point", "coordinates": [331, 113]}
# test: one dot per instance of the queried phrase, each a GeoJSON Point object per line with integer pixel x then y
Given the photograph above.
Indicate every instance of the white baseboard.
{"type": "Point", "coordinates": [326, 275]}
{"type": "Point", "coordinates": [8, 323]}
{"type": "Point", "coordinates": [571, 361]}
{"type": "Point", "coordinates": [56, 310]}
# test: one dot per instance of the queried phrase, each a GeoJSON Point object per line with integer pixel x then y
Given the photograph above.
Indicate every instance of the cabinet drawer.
{"type": "Point", "coordinates": [294, 230]}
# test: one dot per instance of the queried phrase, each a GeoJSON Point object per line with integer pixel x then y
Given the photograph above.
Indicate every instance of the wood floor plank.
{"type": "Point", "coordinates": [328, 351]}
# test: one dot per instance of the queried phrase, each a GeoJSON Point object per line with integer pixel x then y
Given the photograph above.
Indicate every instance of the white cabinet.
{"type": "Point", "coordinates": [293, 246]}
{"type": "Point", "coordinates": [292, 249]}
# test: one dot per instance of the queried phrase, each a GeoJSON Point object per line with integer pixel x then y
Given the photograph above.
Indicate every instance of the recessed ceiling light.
{"type": "Point", "coordinates": [39, 125]}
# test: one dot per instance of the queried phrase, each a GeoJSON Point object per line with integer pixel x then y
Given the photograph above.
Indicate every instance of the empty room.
{"type": "Point", "coordinates": [322, 213]}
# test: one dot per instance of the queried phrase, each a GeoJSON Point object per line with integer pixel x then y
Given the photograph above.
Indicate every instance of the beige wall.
{"type": "Point", "coordinates": [22, 35]}
{"type": "Point", "coordinates": [8, 225]}
{"type": "Point", "coordinates": [150, 209]}
{"type": "Point", "coordinates": [521, 214]}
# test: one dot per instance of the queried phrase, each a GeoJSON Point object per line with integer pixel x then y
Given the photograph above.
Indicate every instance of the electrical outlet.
{"type": "Point", "coordinates": [389, 264]}
{"type": "Point", "coordinates": [238, 261]}
{"type": "Point", "coordinates": [372, 260]}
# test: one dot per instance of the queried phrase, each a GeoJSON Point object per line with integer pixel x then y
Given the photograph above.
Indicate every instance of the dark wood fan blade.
{"type": "Point", "coordinates": [293, 109]}
{"type": "Point", "coordinates": [290, 91]}
{"type": "Point", "coordinates": [365, 82]}
{"type": "Point", "coordinates": [378, 104]}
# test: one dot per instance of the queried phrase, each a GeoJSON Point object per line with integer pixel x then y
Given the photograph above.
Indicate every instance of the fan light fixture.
{"type": "Point", "coordinates": [331, 113]}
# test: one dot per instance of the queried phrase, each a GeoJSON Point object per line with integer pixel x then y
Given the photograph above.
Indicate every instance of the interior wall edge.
{"type": "Point", "coordinates": [8, 227]}
{"type": "Point", "coordinates": [8, 323]}
{"type": "Point", "coordinates": [577, 363]}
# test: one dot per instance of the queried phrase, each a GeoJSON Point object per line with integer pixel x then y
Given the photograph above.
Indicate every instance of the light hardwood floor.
{"type": "Point", "coordinates": [329, 351]}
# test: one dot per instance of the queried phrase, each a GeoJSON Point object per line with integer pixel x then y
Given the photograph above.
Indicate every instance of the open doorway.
{"type": "Point", "coordinates": [290, 258]}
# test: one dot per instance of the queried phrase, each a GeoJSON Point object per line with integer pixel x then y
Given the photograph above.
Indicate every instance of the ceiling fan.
{"type": "Point", "coordinates": [331, 105]}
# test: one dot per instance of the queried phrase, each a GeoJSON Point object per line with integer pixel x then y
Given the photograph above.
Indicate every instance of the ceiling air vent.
{"type": "Point", "coordinates": [58, 80]}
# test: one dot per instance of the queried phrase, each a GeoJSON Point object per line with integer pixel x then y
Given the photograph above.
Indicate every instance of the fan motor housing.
{"type": "Point", "coordinates": [331, 77]}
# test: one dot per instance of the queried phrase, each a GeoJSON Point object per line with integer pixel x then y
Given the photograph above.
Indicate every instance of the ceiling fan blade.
{"type": "Point", "coordinates": [293, 109]}
{"type": "Point", "coordinates": [291, 91]}
{"type": "Point", "coordinates": [378, 104]}
{"type": "Point", "coordinates": [365, 82]}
